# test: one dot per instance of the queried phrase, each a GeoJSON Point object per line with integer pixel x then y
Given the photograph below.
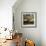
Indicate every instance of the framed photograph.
{"type": "Point", "coordinates": [29, 19]}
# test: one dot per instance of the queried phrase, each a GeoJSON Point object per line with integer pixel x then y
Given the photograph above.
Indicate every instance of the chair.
{"type": "Point", "coordinates": [18, 37]}
{"type": "Point", "coordinates": [29, 43]}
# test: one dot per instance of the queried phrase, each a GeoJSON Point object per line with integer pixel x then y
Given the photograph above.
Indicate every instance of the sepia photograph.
{"type": "Point", "coordinates": [29, 19]}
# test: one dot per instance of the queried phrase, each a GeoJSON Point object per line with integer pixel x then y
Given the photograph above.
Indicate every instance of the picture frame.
{"type": "Point", "coordinates": [29, 19]}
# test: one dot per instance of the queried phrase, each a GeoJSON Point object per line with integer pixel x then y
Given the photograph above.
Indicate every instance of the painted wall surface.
{"type": "Point", "coordinates": [43, 22]}
{"type": "Point", "coordinates": [35, 34]}
{"type": "Point", "coordinates": [6, 13]}
{"type": "Point", "coordinates": [29, 33]}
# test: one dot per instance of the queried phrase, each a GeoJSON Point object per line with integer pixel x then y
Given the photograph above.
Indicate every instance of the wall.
{"type": "Point", "coordinates": [6, 18]}
{"type": "Point", "coordinates": [6, 13]}
{"type": "Point", "coordinates": [28, 6]}
{"type": "Point", "coordinates": [43, 22]}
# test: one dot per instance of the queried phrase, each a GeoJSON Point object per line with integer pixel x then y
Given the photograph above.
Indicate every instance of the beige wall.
{"type": "Point", "coordinates": [29, 6]}
{"type": "Point", "coordinates": [35, 34]}
{"type": "Point", "coordinates": [6, 13]}
{"type": "Point", "coordinates": [43, 22]}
